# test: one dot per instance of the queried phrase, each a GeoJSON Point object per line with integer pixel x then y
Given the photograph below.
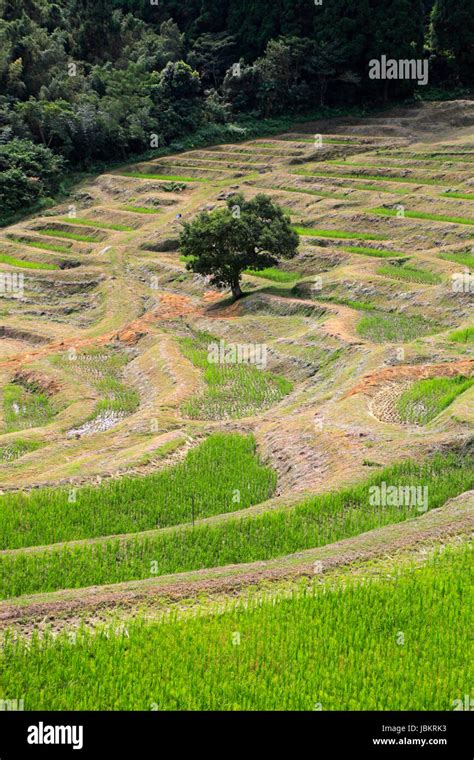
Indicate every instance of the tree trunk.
{"type": "Point", "coordinates": [236, 290]}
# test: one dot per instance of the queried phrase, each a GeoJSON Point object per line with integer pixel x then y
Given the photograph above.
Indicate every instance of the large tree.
{"type": "Point", "coordinates": [244, 235]}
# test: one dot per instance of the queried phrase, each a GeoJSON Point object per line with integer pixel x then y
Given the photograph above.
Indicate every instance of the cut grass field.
{"type": "Point", "coordinates": [390, 327]}
{"type": "Point", "coordinates": [341, 234]}
{"type": "Point", "coordinates": [422, 215]}
{"type": "Point", "coordinates": [339, 642]}
{"type": "Point", "coordinates": [426, 399]}
{"type": "Point", "coordinates": [222, 474]}
{"type": "Point", "coordinates": [5, 258]}
{"type": "Point", "coordinates": [409, 274]}
{"type": "Point", "coordinates": [317, 521]}
{"type": "Point", "coordinates": [233, 390]}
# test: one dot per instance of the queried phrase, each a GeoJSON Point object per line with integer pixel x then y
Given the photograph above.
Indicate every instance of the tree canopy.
{"type": "Point", "coordinates": [243, 235]}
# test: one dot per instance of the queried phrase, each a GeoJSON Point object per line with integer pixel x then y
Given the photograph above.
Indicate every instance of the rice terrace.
{"type": "Point", "coordinates": [256, 495]}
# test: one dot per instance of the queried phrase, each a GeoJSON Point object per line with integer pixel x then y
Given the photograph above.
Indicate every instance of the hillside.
{"type": "Point", "coordinates": [139, 483]}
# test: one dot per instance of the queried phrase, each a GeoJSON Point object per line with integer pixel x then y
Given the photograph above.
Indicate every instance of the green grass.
{"type": "Point", "coordinates": [371, 177]}
{"type": "Point", "coordinates": [422, 215]}
{"type": "Point", "coordinates": [461, 196]}
{"type": "Point", "coordinates": [99, 225]}
{"type": "Point", "coordinates": [23, 408]}
{"type": "Point", "coordinates": [330, 646]}
{"type": "Point", "coordinates": [317, 521]}
{"type": "Point", "coordinates": [425, 399]}
{"type": "Point", "coordinates": [388, 327]}
{"type": "Point", "coordinates": [14, 262]}
{"type": "Point", "coordinates": [379, 253]}
{"type": "Point", "coordinates": [277, 275]}
{"type": "Point", "coordinates": [69, 235]}
{"type": "Point", "coordinates": [16, 449]}
{"type": "Point", "coordinates": [166, 177]}
{"type": "Point", "coordinates": [409, 274]}
{"type": "Point", "coordinates": [42, 246]}
{"type": "Point", "coordinates": [466, 335]}
{"type": "Point", "coordinates": [141, 209]}
{"type": "Point", "coordinates": [232, 390]}
{"type": "Point", "coordinates": [341, 234]}
{"type": "Point", "coordinates": [463, 259]}
{"type": "Point", "coordinates": [212, 477]}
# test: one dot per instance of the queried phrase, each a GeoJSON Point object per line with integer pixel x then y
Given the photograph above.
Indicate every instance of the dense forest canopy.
{"type": "Point", "coordinates": [84, 81]}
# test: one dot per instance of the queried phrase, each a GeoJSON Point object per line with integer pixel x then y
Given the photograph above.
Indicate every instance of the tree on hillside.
{"type": "Point", "coordinates": [244, 235]}
{"type": "Point", "coordinates": [452, 33]}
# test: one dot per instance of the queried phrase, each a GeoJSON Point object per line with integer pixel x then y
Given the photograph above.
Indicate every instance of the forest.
{"type": "Point", "coordinates": [86, 82]}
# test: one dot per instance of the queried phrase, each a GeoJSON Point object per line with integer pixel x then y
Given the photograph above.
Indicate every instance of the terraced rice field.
{"type": "Point", "coordinates": [255, 504]}
{"type": "Point", "coordinates": [250, 641]}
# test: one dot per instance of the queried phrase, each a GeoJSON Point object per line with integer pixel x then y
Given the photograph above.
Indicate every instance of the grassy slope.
{"type": "Point", "coordinates": [221, 475]}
